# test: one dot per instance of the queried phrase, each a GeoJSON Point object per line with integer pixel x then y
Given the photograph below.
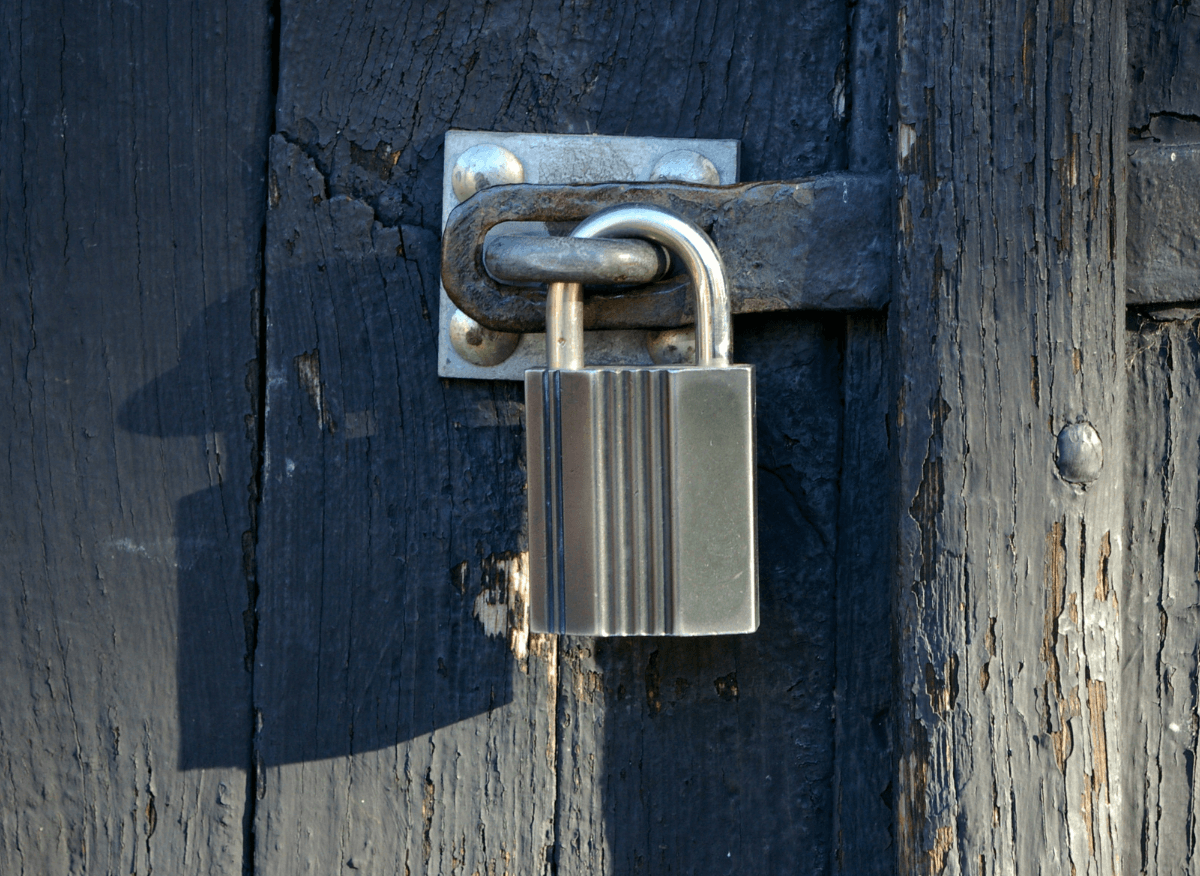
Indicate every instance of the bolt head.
{"type": "Point", "coordinates": [482, 166]}
{"type": "Point", "coordinates": [1080, 454]}
{"type": "Point", "coordinates": [675, 346]}
{"type": "Point", "coordinates": [684, 165]}
{"type": "Point", "coordinates": [479, 345]}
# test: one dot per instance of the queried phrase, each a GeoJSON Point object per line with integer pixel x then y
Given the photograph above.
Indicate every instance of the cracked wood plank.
{"type": "Point", "coordinates": [405, 714]}
{"type": "Point", "coordinates": [1007, 324]}
{"type": "Point", "coordinates": [132, 160]}
{"type": "Point", "coordinates": [1160, 606]}
{"type": "Point", "coordinates": [1164, 69]}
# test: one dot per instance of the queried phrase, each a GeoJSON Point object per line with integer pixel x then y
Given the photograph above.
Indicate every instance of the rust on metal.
{"type": "Point", "coordinates": [822, 243]}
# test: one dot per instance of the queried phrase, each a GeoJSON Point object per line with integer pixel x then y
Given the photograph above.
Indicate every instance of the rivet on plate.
{"type": "Point", "coordinates": [482, 166]}
{"type": "Point", "coordinates": [674, 346]}
{"type": "Point", "coordinates": [683, 165]}
{"type": "Point", "coordinates": [1079, 455]}
{"type": "Point", "coordinates": [479, 345]}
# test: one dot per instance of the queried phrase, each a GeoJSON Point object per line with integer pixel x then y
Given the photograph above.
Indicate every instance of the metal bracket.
{"type": "Point", "coordinates": [552, 160]}
{"type": "Point", "coordinates": [822, 243]}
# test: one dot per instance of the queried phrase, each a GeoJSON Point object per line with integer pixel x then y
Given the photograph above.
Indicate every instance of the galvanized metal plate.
{"type": "Point", "coordinates": [557, 159]}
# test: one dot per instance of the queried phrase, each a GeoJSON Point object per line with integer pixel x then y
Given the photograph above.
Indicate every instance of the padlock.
{"type": "Point", "coordinates": [642, 479]}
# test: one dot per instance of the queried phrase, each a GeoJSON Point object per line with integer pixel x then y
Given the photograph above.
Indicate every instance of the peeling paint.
{"type": "Point", "coordinates": [502, 604]}
{"type": "Point", "coordinates": [653, 683]}
{"type": "Point", "coordinates": [935, 858]}
{"type": "Point", "coordinates": [587, 684]}
{"type": "Point", "coordinates": [907, 140]}
{"type": "Point", "coordinates": [428, 800]}
{"type": "Point", "coordinates": [1097, 697]}
{"type": "Point", "coordinates": [1102, 579]}
{"type": "Point", "coordinates": [999, 339]}
{"type": "Point", "coordinates": [927, 504]}
{"type": "Point", "coordinates": [1056, 582]}
{"type": "Point", "coordinates": [726, 686]}
{"type": "Point", "coordinates": [943, 689]}
{"type": "Point", "coordinates": [308, 371]}
{"type": "Point", "coordinates": [913, 776]}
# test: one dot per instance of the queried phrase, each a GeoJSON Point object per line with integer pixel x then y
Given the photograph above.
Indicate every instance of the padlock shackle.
{"type": "Point", "coordinates": [564, 301]}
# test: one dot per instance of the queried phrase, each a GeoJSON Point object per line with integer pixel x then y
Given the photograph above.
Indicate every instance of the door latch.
{"type": "Point", "coordinates": [821, 243]}
{"type": "Point", "coordinates": [475, 160]}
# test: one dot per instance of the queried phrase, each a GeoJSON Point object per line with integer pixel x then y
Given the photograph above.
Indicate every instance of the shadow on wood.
{"type": "Point", "coordinates": [348, 690]}
{"type": "Point", "coordinates": [186, 400]}
{"type": "Point", "coordinates": [720, 751]}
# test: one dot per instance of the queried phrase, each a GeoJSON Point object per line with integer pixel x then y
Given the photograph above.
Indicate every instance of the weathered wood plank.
{"type": "Point", "coordinates": [1008, 320]}
{"type": "Point", "coordinates": [1164, 67]}
{"type": "Point", "coordinates": [716, 755]}
{"type": "Point", "coordinates": [406, 716]}
{"type": "Point", "coordinates": [863, 783]}
{"type": "Point", "coordinates": [1163, 246]}
{"type": "Point", "coordinates": [132, 159]}
{"type": "Point", "coordinates": [371, 94]}
{"type": "Point", "coordinates": [1159, 603]}
{"type": "Point", "coordinates": [870, 62]}
{"type": "Point", "coordinates": [863, 764]}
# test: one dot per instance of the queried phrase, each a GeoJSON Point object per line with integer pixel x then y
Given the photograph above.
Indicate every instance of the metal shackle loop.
{"type": "Point", "coordinates": [564, 301]}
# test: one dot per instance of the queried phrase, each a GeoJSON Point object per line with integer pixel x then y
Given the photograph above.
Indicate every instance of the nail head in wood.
{"type": "Point", "coordinates": [1080, 455]}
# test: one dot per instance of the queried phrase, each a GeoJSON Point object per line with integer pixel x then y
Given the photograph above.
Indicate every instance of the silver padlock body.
{"type": "Point", "coordinates": [642, 501]}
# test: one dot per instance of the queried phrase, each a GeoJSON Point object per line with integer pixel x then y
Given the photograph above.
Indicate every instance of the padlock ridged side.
{"type": "Point", "coordinates": [552, 461]}
{"type": "Point", "coordinates": [633, 463]}
{"type": "Point", "coordinates": [609, 530]}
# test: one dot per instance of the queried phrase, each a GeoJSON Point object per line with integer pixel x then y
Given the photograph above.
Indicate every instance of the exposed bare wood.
{"type": "Point", "coordinates": [1008, 320]}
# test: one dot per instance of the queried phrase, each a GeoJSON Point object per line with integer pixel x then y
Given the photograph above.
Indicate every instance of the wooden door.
{"type": "Point", "coordinates": [393, 658]}
{"type": "Point", "coordinates": [261, 601]}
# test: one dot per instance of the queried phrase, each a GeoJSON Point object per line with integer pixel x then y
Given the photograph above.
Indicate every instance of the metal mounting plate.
{"type": "Point", "coordinates": [558, 159]}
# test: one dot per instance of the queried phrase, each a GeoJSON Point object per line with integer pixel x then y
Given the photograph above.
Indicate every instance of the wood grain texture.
{"type": "Point", "coordinates": [407, 720]}
{"type": "Point", "coordinates": [371, 93]}
{"type": "Point", "coordinates": [871, 64]}
{"type": "Point", "coordinates": [1163, 246]}
{"type": "Point", "coordinates": [132, 159]}
{"type": "Point", "coordinates": [716, 755]}
{"type": "Point", "coordinates": [1159, 620]}
{"type": "Point", "coordinates": [1159, 604]}
{"type": "Point", "coordinates": [863, 780]}
{"type": "Point", "coordinates": [1007, 322]}
{"type": "Point", "coordinates": [405, 714]}
{"type": "Point", "coordinates": [1164, 67]}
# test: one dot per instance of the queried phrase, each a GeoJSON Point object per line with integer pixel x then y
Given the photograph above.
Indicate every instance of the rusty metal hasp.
{"type": "Point", "coordinates": [815, 244]}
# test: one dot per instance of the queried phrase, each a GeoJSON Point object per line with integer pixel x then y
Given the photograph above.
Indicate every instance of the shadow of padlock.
{"type": "Point", "coordinates": [642, 479]}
